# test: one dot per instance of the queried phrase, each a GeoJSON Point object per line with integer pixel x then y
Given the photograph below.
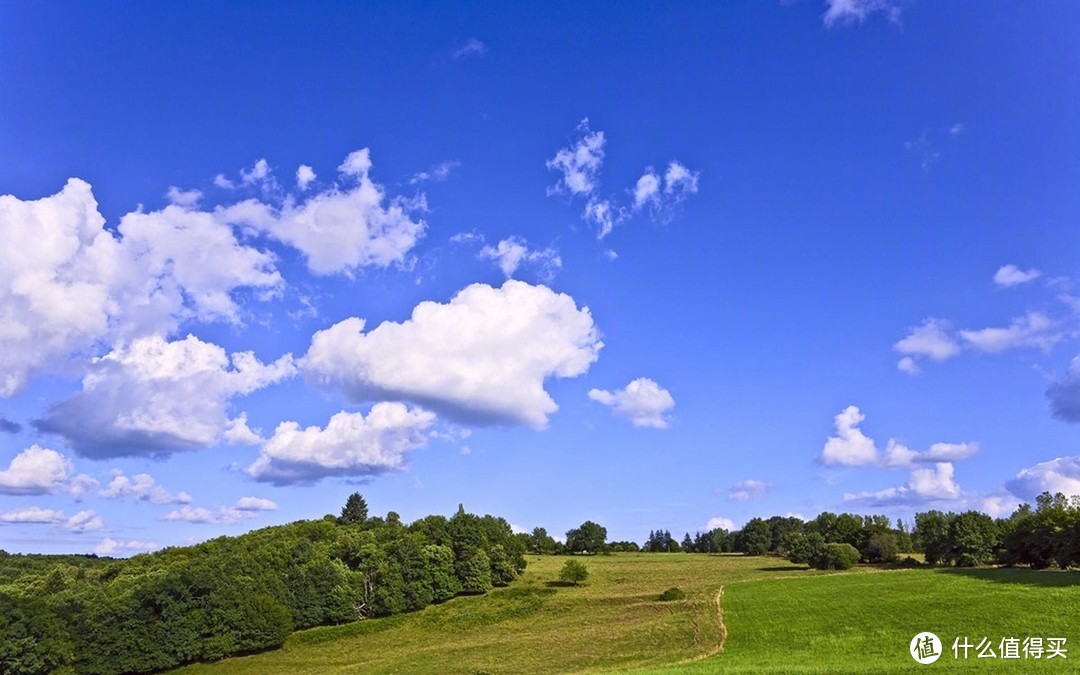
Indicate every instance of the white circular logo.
{"type": "Point", "coordinates": [925, 648]}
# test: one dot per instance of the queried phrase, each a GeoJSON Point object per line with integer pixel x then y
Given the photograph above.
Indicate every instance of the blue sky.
{"type": "Point", "coordinates": [658, 266]}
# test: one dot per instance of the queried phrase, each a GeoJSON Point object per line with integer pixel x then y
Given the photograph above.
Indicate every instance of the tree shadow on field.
{"type": "Point", "coordinates": [561, 584]}
{"type": "Point", "coordinates": [784, 568]}
{"type": "Point", "coordinates": [1015, 575]}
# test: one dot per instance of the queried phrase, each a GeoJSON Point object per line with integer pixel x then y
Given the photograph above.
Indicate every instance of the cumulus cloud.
{"type": "Point", "coordinates": [305, 175]}
{"type": "Point", "coordinates": [579, 163]}
{"type": "Point", "coordinates": [1011, 275]}
{"type": "Point", "coordinates": [1031, 330]}
{"type": "Point", "coordinates": [83, 521]}
{"type": "Point", "coordinates": [511, 253]}
{"type": "Point", "coordinates": [339, 230]}
{"type": "Point", "coordinates": [647, 189]}
{"type": "Point", "coordinates": [183, 198]}
{"type": "Point", "coordinates": [848, 12]}
{"type": "Point", "coordinates": [481, 358]}
{"type": "Point", "coordinates": [245, 508]}
{"type": "Point", "coordinates": [747, 489]}
{"type": "Point", "coordinates": [112, 547]}
{"type": "Point", "coordinates": [644, 402]}
{"type": "Point", "coordinates": [255, 504]}
{"type": "Point", "coordinates": [999, 506]}
{"type": "Point", "coordinates": [926, 484]}
{"type": "Point", "coordinates": [141, 487]}
{"type": "Point", "coordinates": [154, 397]}
{"type": "Point", "coordinates": [67, 284]}
{"type": "Point", "coordinates": [719, 522]}
{"type": "Point", "coordinates": [850, 446]}
{"type": "Point", "coordinates": [662, 194]}
{"type": "Point", "coordinates": [605, 214]}
{"type": "Point", "coordinates": [1057, 475]}
{"type": "Point", "coordinates": [9, 427]}
{"type": "Point", "coordinates": [39, 471]}
{"type": "Point", "coordinates": [350, 445]}
{"type": "Point", "coordinates": [932, 339]}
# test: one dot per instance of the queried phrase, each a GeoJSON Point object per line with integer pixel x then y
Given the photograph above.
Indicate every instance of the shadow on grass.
{"type": "Point", "coordinates": [784, 568]}
{"type": "Point", "coordinates": [1015, 575]}
{"type": "Point", "coordinates": [560, 584]}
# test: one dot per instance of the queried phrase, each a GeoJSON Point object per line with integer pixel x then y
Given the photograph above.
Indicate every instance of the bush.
{"type": "Point", "coordinates": [882, 548]}
{"type": "Point", "coordinates": [673, 593]}
{"type": "Point", "coordinates": [573, 572]}
{"type": "Point", "coordinates": [837, 557]}
{"type": "Point", "coordinates": [909, 562]}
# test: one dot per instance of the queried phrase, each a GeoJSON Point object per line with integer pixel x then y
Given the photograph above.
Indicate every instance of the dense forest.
{"type": "Point", "coordinates": [83, 614]}
{"type": "Point", "coordinates": [234, 595]}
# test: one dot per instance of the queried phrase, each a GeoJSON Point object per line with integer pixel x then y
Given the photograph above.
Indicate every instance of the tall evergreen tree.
{"type": "Point", "coordinates": [355, 510]}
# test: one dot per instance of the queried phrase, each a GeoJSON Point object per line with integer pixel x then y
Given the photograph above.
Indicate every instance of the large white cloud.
{"type": "Point", "coordinates": [850, 446]}
{"type": "Point", "coordinates": [1057, 475]}
{"type": "Point", "coordinates": [350, 445]}
{"type": "Point", "coordinates": [339, 230]}
{"type": "Point", "coordinates": [39, 471]}
{"type": "Point", "coordinates": [644, 402]}
{"type": "Point", "coordinates": [481, 358]}
{"type": "Point", "coordinates": [153, 397]}
{"type": "Point", "coordinates": [927, 484]}
{"type": "Point", "coordinates": [67, 283]}
{"type": "Point", "coordinates": [83, 521]}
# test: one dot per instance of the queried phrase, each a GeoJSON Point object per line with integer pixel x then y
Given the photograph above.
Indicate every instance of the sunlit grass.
{"type": "Point", "coordinates": [777, 617]}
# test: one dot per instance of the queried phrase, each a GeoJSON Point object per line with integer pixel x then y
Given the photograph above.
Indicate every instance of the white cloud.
{"type": "Point", "coordinates": [647, 189]}
{"type": "Point", "coordinates": [721, 523]}
{"type": "Point", "coordinates": [1057, 475]}
{"type": "Point", "coordinates": [1031, 330]}
{"type": "Point", "coordinates": [847, 12]}
{"type": "Point", "coordinates": [350, 445]}
{"type": "Point", "coordinates": [679, 181]}
{"type": "Point", "coordinates": [141, 487]}
{"type": "Point", "coordinates": [32, 515]}
{"type": "Point", "coordinates": [483, 357]}
{"type": "Point", "coordinates": [999, 506]}
{"type": "Point", "coordinates": [948, 452]}
{"type": "Point", "coordinates": [67, 284]}
{"type": "Point", "coordinates": [83, 521]}
{"type": "Point", "coordinates": [304, 176]}
{"type": "Point", "coordinates": [237, 432]}
{"type": "Point", "coordinates": [191, 514]}
{"type": "Point", "coordinates": [154, 397]}
{"type": "Point", "coordinates": [472, 47]}
{"type": "Point", "coordinates": [579, 163]}
{"type": "Point", "coordinates": [926, 484]}
{"type": "Point", "coordinates": [110, 547]}
{"type": "Point", "coordinates": [747, 489]}
{"type": "Point", "coordinates": [438, 173]}
{"type": "Point", "coordinates": [611, 255]}
{"type": "Point", "coordinates": [257, 173]}
{"type": "Point", "coordinates": [957, 129]}
{"type": "Point", "coordinates": [510, 253]}
{"type": "Point", "coordinates": [1011, 275]}
{"type": "Point", "coordinates": [39, 471]}
{"type": "Point", "coordinates": [908, 365]}
{"type": "Point", "coordinates": [850, 446]}
{"type": "Point", "coordinates": [224, 183]}
{"type": "Point", "coordinates": [339, 231]}
{"type": "Point", "coordinates": [644, 402]}
{"type": "Point", "coordinates": [603, 213]}
{"type": "Point", "coordinates": [255, 504]}
{"type": "Point", "coordinates": [183, 198]}
{"type": "Point", "coordinates": [932, 340]}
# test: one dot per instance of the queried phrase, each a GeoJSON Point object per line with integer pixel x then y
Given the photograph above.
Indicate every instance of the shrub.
{"type": "Point", "coordinates": [573, 572]}
{"type": "Point", "coordinates": [837, 557]}
{"type": "Point", "coordinates": [673, 593]}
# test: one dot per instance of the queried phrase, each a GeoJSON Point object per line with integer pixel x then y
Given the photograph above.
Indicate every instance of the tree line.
{"type": "Point", "coordinates": [1041, 536]}
{"type": "Point", "coordinates": [235, 595]}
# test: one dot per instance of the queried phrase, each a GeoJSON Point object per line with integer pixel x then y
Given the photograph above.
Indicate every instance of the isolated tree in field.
{"type": "Point", "coordinates": [590, 537]}
{"type": "Point", "coordinates": [573, 572]}
{"type": "Point", "coordinates": [355, 510]}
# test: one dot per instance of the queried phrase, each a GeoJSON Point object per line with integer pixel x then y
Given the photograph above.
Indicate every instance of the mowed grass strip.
{"type": "Point", "coordinates": [779, 618]}
{"type": "Point", "coordinates": [855, 622]}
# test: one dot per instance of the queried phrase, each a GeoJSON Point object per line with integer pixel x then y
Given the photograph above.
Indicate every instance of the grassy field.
{"type": "Point", "coordinates": [741, 614]}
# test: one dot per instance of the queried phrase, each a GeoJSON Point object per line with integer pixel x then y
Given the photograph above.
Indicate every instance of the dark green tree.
{"type": "Point", "coordinates": [355, 511]}
{"type": "Point", "coordinates": [589, 538]}
{"type": "Point", "coordinates": [573, 572]}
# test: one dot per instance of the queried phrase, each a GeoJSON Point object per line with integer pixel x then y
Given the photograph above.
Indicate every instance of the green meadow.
{"type": "Point", "coordinates": [740, 614]}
